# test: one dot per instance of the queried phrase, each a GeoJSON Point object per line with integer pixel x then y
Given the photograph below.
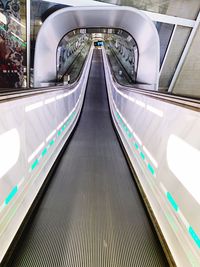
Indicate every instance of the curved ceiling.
{"type": "Point", "coordinates": [68, 19]}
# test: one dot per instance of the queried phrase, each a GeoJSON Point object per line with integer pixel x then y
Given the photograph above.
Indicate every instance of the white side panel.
{"type": "Point", "coordinates": [33, 130]}
{"type": "Point", "coordinates": [162, 141]}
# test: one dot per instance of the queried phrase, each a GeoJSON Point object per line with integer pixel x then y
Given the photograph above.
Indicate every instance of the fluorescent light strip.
{"type": "Point", "coordinates": [185, 222]}
{"type": "Point", "coordinates": [17, 37]}
{"type": "Point", "coordinates": [17, 22]}
{"type": "Point", "coordinates": [34, 165]}
{"type": "Point", "coordinates": [33, 106]}
{"type": "Point", "coordinates": [183, 219]}
{"type": "Point", "coordinates": [59, 97]}
{"type": "Point", "coordinates": [128, 126]}
{"type": "Point", "coordinates": [44, 152]}
{"type": "Point", "coordinates": [124, 95]}
{"type": "Point", "coordinates": [2, 207]}
{"type": "Point", "coordinates": [163, 188]}
{"type": "Point", "coordinates": [137, 138]}
{"type": "Point", "coordinates": [31, 157]}
{"type": "Point", "coordinates": [50, 100]}
{"type": "Point", "coordinates": [140, 103]}
{"type": "Point", "coordinates": [150, 157]}
{"type": "Point", "coordinates": [150, 168]}
{"type": "Point", "coordinates": [11, 195]}
{"type": "Point", "coordinates": [71, 92]}
{"type": "Point", "coordinates": [67, 94]}
{"type": "Point", "coordinates": [50, 135]}
{"type": "Point", "coordinates": [154, 110]}
{"type": "Point", "coordinates": [60, 125]}
{"type": "Point", "coordinates": [21, 182]}
{"type": "Point", "coordinates": [194, 236]}
{"type": "Point", "coordinates": [169, 197]}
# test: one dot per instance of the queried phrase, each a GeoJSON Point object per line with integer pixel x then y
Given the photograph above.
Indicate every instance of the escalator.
{"type": "Point", "coordinates": [92, 213]}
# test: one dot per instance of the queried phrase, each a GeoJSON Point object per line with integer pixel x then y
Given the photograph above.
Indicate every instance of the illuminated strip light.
{"type": "Point", "coordinates": [50, 100]}
{"type": "Point", "coordinates": [185, 222]}
{"type": "Point", "coordinates": [194, 236]}
{"type": "Point", "coordinates": [17, 22]}
{"type": "Point", "coordinates": [50, 135]}
{"type": "Point", "coordinates": [173, 203]}
{"type": "Point", "coordinates": [11, 195]}
{"type": "Point", "coordinates": [69, 93]}
{"type": "Point", "coordinates": [137, 138]}
{"type": "Point", "coordinates": [32, 156]}
{"type": "Point", "coordinates": [17, 36]}
{"type": "Point", "coordinates": [150, 157]}
{"type": "Point", "coordinates": [66, 94]}
{"type": "Point", "coordinates": [2, 207]}
{"type": "Point", "coordinates": [140, 103]}
{"type": "Point", "coordinates": [127, 124]}
{"type": "Point", "coordinates": [125, 96]}
{"type": "Point", "coordinates": [34, 165]}
{"type": "Point", "coordinates": [170, 198]}
{"type": "Point", "coordinates": [149, 166]}
{"type": "Point", "coordinates": [60, 125]}
{"type": "Point", "coordinates": [21, 182]}
{"type": "Point", "coordinates": [3, 18]}
{"type": "Point", "coordinates": [44, 152]}
{"type": "Point", "coordinates": [154, 110]}
{"type": "Point", "coordinates": [33, 106]}
{"type": "Point", "coordinates": [59, 96]}
{"type": "Point", "coordinates": [52, 142]}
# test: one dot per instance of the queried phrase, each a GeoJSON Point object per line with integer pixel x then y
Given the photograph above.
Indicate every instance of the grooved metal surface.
{"type": "Point", "coordinates": [91, 214]}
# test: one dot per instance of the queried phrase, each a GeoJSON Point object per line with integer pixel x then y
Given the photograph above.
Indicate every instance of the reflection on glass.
{"type": "Point", "coordinates": [12, 44]}
{"type": "Point", "coordinates": [122, 53]}
{"type": "Point", "coordinates": [176, 49]}
{"type": "Point", "coordinates": [165, 31]}
{"type": "Point", "coordinates": [188, 80]}
{"type": "Point", "coordinates": [40, 10]}
{"type": "Point", "coordinates": [71, 54]}
{"type": "Point", "coordinates": [185, 9]}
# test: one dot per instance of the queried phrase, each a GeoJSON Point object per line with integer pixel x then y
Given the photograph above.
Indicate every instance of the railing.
{"type": "Point", "coordinates": [160, 135]}
{"type": "Point", "coordinates": [34, 128]}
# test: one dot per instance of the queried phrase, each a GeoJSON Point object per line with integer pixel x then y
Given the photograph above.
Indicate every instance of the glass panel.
{"type": "Point", "coordinates": [122, 53]}
{"type": "Point", "coordinates": [71, 54]}
{"type": "Point", "coordinates": [176, 49]}
{"type": "Point", "coordinates": [179, 8]}
{"type": "Point", "coordinates": [165, 31]}
{"type": "Point", "coordinates": [189, 78]}
{"type": "Point", "coordinates": [40, 10]}
{"type": "Point", "coordinates": [12, 44]}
